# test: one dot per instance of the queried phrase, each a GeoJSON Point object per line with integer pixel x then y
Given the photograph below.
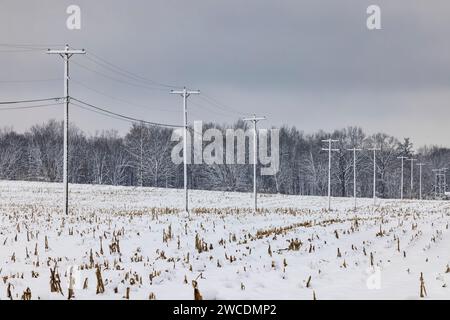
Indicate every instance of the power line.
{"type": "Point", "coordinates": [100, 112]}
{"type": "Point", "coordinates": [117, 117]}
{"type": "Point", "coordinates": [21, 47]}
{"type": "Point", "coordinates": [31, 107]}
{"type": "Point", "coordinates": [116, 79]}
{"type": "Point", "coordinates": [221, 106]}
{"type": "Point", "coordinates": [19, 50]}
{"type": "Point", "coordinates": [115, 68]}
{"type": "Point", "coordinates": [119, 70]}
{"type": "Point", "coordinates": [28, 46]}
{"type": "Point", "coordinates": [28, 81]}
{"type": "Point", "coordinates": [126, 117]}
{"type": "Point", "coordinates": [151, 84]}
{"type": "Point", "coordinates": [212, 111]}
{"type": "Point", "coordinates": [118, 99]}
{"type": "Point", "coordinates": [29, 101]}
{"type": "Point", "coordinates": [135, 77]}
{"type": "Point", "coordinates": [145, 87]}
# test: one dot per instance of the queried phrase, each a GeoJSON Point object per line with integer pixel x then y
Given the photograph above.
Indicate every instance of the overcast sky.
{"type": "Point", "coordinates": [312, 64]}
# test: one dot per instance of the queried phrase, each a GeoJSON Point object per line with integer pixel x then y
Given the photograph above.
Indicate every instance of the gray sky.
{"type": "Point", "coordinates": [312, 64]}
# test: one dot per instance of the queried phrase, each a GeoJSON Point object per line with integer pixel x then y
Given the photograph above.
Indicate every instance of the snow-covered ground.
{"type": "Point", "coordinates": [139, 239]}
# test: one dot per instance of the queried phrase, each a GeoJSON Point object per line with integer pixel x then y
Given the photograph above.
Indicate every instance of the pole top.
{"type": "Point", "coordinates": [328, 149]}
{"type": "Point", "coordinates": [185, 91]}
{"type": "Point", "coordinates": [254, 118]}
{"type": "Point", "coordinates": [329, 140]}
{"type": "Point", "coordinates": [66, 51]}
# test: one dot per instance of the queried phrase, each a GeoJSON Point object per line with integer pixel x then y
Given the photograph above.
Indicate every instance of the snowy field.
{"type": "Point", "coordinates": [142, 246]}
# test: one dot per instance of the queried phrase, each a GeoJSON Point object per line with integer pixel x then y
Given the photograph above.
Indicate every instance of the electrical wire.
{"type": "Point", "coordinates": [29, 101]}
{"type": "Point", "coordinates": [124, 116]}
{"type": "Point", "coordinates": [117, 99]}
{"type": "Point", "coordinates": [210, 110]}
{"type": "Point", "coordinates": [99, 112]}
{"type": "Point", "coordinates": [108, 65]}
{"type": "Point", "coordinates": [30, 107]}
{"type": "Point", "coordinates": [15, 48]}
{"type": "Point", "coordinates": [110, 115]}
{"type": "Point", "coordinates": [17, 51]}
{"type": "Point", "coordinates": [137, 78]}
{"type": "Point", "coordinates": [116, 79]}
{"type": "Point", "coordinates": [28, 45]}
{"type": "Point", "coordinates": [214, 102]}
{"type": "Point", "coordinates": [29, 81]}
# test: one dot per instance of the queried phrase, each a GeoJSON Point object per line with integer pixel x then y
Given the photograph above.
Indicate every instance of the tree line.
{"type": "Point", "coordinates": [142, 157]}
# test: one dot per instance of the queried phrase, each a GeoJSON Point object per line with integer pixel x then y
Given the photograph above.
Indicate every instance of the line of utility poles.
{"type": "Point", "coordinates": [440, 186]}
{"type": "Point", "coordinates": [255, 120]}
{"type": "Point", "coordinates": [185, 94]}
{"type": "Point", "coordinates": [354, 172]}
{"type": "Point", "coordinates": [374, 173]}
{"type": "Point", "coordinates": [66, 54]}
{"type": "Point", "coordinates": [329, 149]}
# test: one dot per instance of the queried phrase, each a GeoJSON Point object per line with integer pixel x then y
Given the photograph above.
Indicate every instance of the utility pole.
{"type": "Point", "coordinates": [412, 175]}
{"type": "Point", "coordinates": [401, 179]}
{"type": "Point", "coordinates": [185, 94]}
{"type": "Point", "coordinates": [444, 175]}
{"type": "Point", "coordinates": [66, 54]}
{"type": "Point", "coordinates": [420, 164]}
{"type": "Point", "coordinates": [441, 175]}
{"type": "Point", "coordinates": [354, 172]}
{"type": "Point", "coordinates": [141, 156]}
{"type": "Point", "coordinates": [255, 120]}
{"type": "Point", "coordinates": [374, 173]}
{"type": "Point", "coordinates": [329, 141]}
